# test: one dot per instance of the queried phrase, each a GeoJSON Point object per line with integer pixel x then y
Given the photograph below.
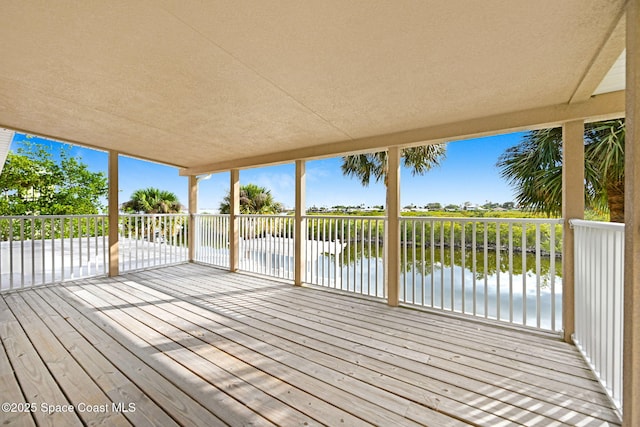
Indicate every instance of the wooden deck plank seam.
{"type": "Point", "coordinates": [142, 376]}
{"type": "Point", "coordinates": [37, 383]}
{"type": "Point", "coordinates": [12, 392]}
{"type": "Point", "coordinates": [467, 324]}
{"type": "Point", "coordinates": [59, 361]}
{"type": "Point", "coordinates": [109, 377]}
{"type": "Point", "coordinates": [369, 364]}
{"type": "Point", "coordinates": [263, 337]}
{"type": "Point", "coordinates": [591, 383]}
{"type": "Point", "coordinates": [283, 357]}
{"type": "Point", "coordinates": [598, 389]}
{"type": "Point", "coordinates": [160, 320]}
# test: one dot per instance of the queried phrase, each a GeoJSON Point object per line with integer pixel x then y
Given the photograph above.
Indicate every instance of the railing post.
{"type": "Point", "coordinates": [572, 208]}
{"type": "Point", "coordinates": [300, 231]}
{"type": "Point", "coordinates": [234, 212]}
{"type": "Point", "coordinates": [631, 384]}
{"type": "Point", "coordinates": [191, 222]}
{"type": "Point", "coordinates": [114, 256]}
{"type": "Point", "coordinates": [392, 238]}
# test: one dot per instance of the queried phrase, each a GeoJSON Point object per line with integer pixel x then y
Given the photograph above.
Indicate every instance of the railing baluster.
{"type": "Point", "coordinates": [432, 242]}
{"type": "Point", "coordinates": [463, 248]}
{"type": "Point", "coordinates": [538, 262]}
{"type": "Point", "coordinates": [22, 252]}
{"type": "Point", "coordinates": [498, 271]}
{"type": "Point", "coordinates": [452, 245]}
{"type": "Point", "coordinates": [422, 261]}
{"type": "Point", "coordinates": [71, 232]}
{"type": "Point", "coordinates": [511, 273]}
{"type": "Point", "coordinates": [44, 251]}
{"type": "Point", "coordinates": [63, 224]}
{"type": "Point", "coordinates": [552, 274]}
{"type": "Point", "coordinates": [599, 266]}
{"type": "Point", "coordinates": [442, 264]}
{"type": "Point", "coordinates": [524, 271]}
{"type": "Point", "coordinates": [474, 230]}
{"type": "Point", "coordinates": [33, 251]}
{"type": "Point", "coordinates": [486, 268]}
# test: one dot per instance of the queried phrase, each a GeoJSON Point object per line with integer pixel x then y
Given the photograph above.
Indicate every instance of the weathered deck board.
{"type": "Point", "coordinates": [451, 372]}
{"type": "Point", "coordinates": [38, 385]}
{"type": "Point", "coordinates": [193, 345]}
{"type": "Point", "coordinates": [78, 387]}
{"type": "Point", "coordinates": [329, 385]}
{"type": "Point", "coordinates": [11, 392]}
{"type": "Point", "coordinates": [107, 376]}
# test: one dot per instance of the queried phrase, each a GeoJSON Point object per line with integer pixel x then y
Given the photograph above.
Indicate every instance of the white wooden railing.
{"type": "Point", "coordinates": [151, 240]}
{"type": "Point", "coordinates": [212, 239]}
{"type": "Point", "coordinates": [36, 250]}
{"type": "Point", "coordinates": [346, 253]}
{"type": "Point", "coordinates": [266, 245]}
{"type": "Point", "coordinates": [493, 268]}
{"type": "Point", "coordinates": [599, 308]}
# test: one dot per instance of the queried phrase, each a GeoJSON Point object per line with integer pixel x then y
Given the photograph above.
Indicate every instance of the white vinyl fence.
{"type": "Point", "coordinates": [36, 250]}
{"type": "Point", "coordinates": [599, 308]}
{"type": "Point", "coordinates": [212, 239]}
{"type": "Point", "coordinates": [267, 245]}
{"type": "Point", "coordinates": [493, 268]}
{"type": "Point", "coordinates": [151, 240]}
{"type": "Point", "coordinates": [346, 253]}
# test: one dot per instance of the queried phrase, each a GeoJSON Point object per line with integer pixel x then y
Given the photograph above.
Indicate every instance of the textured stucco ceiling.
{"type": "Point", "coordinates": [191, 83]}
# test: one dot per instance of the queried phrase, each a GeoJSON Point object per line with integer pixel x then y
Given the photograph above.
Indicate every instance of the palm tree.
{"type": "Point", "coordinates": [534, 168]}
{"type": "Point", "coordinates": [253, 200]}
{"type": "Point", "coordinates": [419, 159]}
{"type": "Point", "coordinates": [152, 201]}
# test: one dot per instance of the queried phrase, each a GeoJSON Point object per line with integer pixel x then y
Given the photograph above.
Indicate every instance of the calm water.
{"type": "Point", "coordinates": [489, 290]}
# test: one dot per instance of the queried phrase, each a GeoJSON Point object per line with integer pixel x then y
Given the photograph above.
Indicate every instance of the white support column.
{"type": "Point", "coordinates": [234, 222]}
{"type": "Point", "coordinates": [193, 209]}
{"type": "Point", "coordinates": [392, 241]}
{"type": "Point", "coordinates": [300, 232]}
{"type": "Point", "coordinates": [631, 363]}
{"type": "Point", "coordinates": [572, 208]}
{"type": "Point", "coordinates": [114, 255]}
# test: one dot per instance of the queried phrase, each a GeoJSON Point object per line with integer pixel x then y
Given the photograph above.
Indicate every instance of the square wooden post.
{"type": "Point", "coordinates": [193, 210]}
{"type": "Point", "coordinates": [572, 208]}
{"type": "Point", "coordinates": [113, 211]}
{"type": "Point", "coordinates": [300, 231]}
{"type": "Point", "coordinates": [234, 221]}
{"type": "Point", "coordinates": [631, 355]}
{"type": "Point", "coordinates": [392, 238]}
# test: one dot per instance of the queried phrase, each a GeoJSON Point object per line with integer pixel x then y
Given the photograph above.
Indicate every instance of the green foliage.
{"type": "Point", "coordinates": [34, 183]}
{"type": "Point", "coordinates": [534, 169]}
{"type": "Point", "coordinates": [253, 200]}
{"type": "Point", "coordinates": [152, 201]}
{"type": "Point", "coordinates": [375, 165]}
{"type": "Point", "coordinates": [47, 227]}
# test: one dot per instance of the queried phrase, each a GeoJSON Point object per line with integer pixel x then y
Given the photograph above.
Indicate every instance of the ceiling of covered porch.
{"type": "Point", "coordinates": [214, 85]}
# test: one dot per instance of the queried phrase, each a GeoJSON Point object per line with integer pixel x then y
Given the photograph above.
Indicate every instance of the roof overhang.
{"type": "Point", "coordinates": [210, 86]}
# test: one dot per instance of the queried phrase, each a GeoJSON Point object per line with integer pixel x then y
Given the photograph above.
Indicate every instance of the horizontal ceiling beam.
{"type": "Point", "coordinates": [601, 107]}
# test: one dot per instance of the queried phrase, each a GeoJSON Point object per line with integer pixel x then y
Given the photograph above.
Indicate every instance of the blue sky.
{"type": "Point", "coordinates": [468, 174]}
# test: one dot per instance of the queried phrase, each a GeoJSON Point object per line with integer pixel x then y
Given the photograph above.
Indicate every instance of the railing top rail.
{"type": "Point", "coordinates": [210, 214]}
{"type": "Point", "coordinates": [265, 216]}
{"type": "Point", "coordinates": [53, 216]}
{"type": "Point", "coordinates": [484, 219]}
{"type": "Point", "coordinates": [358, 217]}
{"type": "Point", "coordinates": [153, 215]}
{"type": "Point", "coordinates": [600, 225]}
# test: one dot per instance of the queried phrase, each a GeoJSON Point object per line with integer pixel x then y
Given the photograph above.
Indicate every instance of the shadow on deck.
{"type": "Point", "coordinates": [193, 345]}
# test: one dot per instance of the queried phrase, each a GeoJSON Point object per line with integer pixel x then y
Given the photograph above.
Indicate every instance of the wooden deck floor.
{"type": "Point", "coordinates": [192, 345]}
